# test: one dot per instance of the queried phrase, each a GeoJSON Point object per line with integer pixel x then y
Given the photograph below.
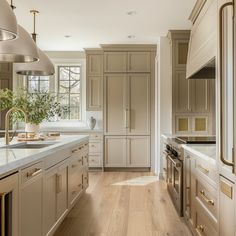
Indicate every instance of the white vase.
{"type": "Point", "coordinates": [31, 128]}
{"type": "Point", "coordinates": [91, 122]}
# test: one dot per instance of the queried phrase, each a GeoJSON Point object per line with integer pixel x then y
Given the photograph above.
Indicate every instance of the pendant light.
{"type": "Point", "coordinates": [43, 67]}
{"type": "Point", "coordinates": [23, 49]}
{"type": "Point", "coordinates": [8, 23]}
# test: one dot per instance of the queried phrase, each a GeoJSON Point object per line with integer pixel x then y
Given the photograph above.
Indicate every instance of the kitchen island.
{"type": "Point", "coordinates": [41, 181]}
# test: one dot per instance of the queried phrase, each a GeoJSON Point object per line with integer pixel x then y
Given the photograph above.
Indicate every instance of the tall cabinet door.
{"type": "Point", "coordinates": [139, 104]}
{"type": "Point", "coordinates": [115, 151]}
{"type": "Point", "coordinates": [115, 108]}
{"type": "Point", "coordinates": [138, 151]}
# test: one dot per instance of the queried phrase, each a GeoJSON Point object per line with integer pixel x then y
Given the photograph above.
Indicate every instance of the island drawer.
{"type": "Point", "coordinates": [207, 196]}
{"type": "Point", "coordinates": [56, 158]}
{"type": "Point", "coordinates": [204, 225]}
{"type": "Point", "coordinates": [31, 172]}
{"type": "Point", "coordinates": [206, 170]}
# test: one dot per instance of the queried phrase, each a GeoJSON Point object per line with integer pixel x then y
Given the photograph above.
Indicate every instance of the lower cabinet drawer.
{"type": "Point", "coordinates": [95, 160]}
{"type": "Point", "coordinates": [207, 196]}
{"type": "Point", "coordinates": [32, 171]}
{"type": "Point", "coordinates": [95, 147]}
{"type": "Point", "coordinates": [204, 225]}
{"type": "Point", "coordinates": [206, 170]}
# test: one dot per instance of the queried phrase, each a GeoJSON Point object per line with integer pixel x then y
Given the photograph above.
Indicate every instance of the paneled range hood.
{"type": "Point", "coordinates": [203, 41]}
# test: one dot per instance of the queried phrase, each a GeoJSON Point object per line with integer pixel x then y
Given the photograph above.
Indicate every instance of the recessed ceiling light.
{"type": "Point", "coordinates": [131, 13]}
{"type": "Point", "coordinates": [131, 36]}
{"type": "Point", "coordinates": [67, 36]}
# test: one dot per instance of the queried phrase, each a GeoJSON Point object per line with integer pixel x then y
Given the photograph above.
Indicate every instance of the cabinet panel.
{"type": "Point", "coordinates": [115, 62]}
{"type": "Point", "coordinates": [115, 151]}
{"type": "Point", "coordinates": [61, 187]}
{"type": "Point", "coordinates": [139, 105]}
{"type": "Point", "coordinates": [94, 93]}
{"type": "Point", "coordinates": [139, 62]}
{"type": "Point", "coordinates": [181, 52]}
{"type": "Point", "coordinates": [182, 88]}
{"type": "Point", "coordinates": [201, 95]}
{"type": "Point", "coordinates": [94, 63]}
{"type": "Point", "coordinates": [115, 104]}
{"type": "Point", "coordinates": [31, 207]}
{"type": "Point", "coordinates": [138, 151]}
{"type": "Point", "coordinates": [5, 68]}
{"type": "Point", "coordinates": [50, 204]}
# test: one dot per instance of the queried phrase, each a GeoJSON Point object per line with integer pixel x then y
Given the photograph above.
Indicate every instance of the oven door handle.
{"type": "Point", "coordinates": [175, 162]}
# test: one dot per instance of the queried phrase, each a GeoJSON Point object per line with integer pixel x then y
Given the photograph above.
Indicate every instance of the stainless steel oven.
{"type": "Point", "coordinates": [175, 179]}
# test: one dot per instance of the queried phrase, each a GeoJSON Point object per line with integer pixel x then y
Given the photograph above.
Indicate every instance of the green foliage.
{"type": "Point", "coordinates": [39, 107]}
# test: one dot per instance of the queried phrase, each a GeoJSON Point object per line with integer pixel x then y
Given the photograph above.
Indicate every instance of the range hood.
{"type": "Point", "coordinates": [203, 41]}
{"type": "Point", "coordinates": [208, 71]}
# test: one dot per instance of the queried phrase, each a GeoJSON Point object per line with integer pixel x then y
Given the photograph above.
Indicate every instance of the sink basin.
{"type": "Point", "coordinates": [29, 145]}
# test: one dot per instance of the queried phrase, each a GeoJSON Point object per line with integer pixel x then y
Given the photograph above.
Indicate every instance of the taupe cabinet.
{"type": "Point", "coordinates": [50, 188]}
{"type": "Point", "coordinates": [128, 75]}
{"type": "Point", "coordinates": [127, 104]}
{"type": "Point", "coordinates": [94, 79]}
{"type": "Point", "coordinates": [127, 151]}
{"type": "Point", "coordinates": [193, 100]}
{"type": "Point", "coordinates": [122, 62]}
{"type": "Point", "coordinates": [201, 209]}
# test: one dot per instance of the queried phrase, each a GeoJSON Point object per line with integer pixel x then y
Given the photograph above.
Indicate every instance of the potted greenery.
{"type": "Point", "coordinates": [38, 107]}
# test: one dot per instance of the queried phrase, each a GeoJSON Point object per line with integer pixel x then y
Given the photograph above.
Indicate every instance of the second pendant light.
{"type": "Point", "coordinates": [43, 67]}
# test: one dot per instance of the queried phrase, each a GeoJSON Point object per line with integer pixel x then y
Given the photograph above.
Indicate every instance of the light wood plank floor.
{"type": "Point", "coordinates": [111, 210]}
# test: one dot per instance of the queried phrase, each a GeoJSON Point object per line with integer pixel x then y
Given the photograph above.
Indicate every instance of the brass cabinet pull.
{"type": "Point", "coordinates": [205, 198]}
{"type": "Point", "coordinates": [74, 166]}
{"type": "Point", "coordinates": [204, 170]}
{"type": "Point", "coordinates": [74, 150]}
{"type": "Point", "coordinates": [59, 183]}
{"type": "Point", "coordinates": [201, 228]}
{"type": "Point", "coordinates": [79, 160]}
{"type": "Point", "coordinates": [224, 161]}
{"type": "Point", "coordinates": [2, 213]}
{"type": "Point", "coordinates": [37, 171]}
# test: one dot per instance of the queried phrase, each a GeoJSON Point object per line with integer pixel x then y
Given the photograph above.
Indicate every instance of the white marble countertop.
{"type": "Point", "coordinates": [204, 151]}
{"type": "Point", "coordinates": [11, 160]}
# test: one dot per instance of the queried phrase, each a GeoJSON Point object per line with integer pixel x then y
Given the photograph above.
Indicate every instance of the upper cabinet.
{"type": "Point", "coordinates": [123, 62]}
{"type": "Point", "coordinates": [203, 39]}
{"type": "Point", "coordinates": [94, 79]}
{"type": "Point", "coordinates": [139, 62]}
{"type": "Point", "coordinates": [115, 62]}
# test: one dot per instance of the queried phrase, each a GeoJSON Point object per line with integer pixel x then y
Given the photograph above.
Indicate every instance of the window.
{"type": "Point", "coordinates": [38, 84]}
{"type": "Point", "coordinates": [67, 87]}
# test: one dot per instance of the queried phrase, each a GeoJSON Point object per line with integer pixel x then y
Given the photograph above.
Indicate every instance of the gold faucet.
{"type": "Point", "coordinates": [8, 139]}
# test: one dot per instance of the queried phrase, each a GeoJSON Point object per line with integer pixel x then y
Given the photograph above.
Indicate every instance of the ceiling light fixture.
{"type": "Point", "coordinates": [131, 13]}
{"type": "Point", "coordinates": [8, 23]}
{"type": "Point", "coordinates": [44, 67]}
{"type": "Point", "coordinates": [23, 49]}
{"type": "Point", "coordinates": [67, 36]}
{"type": "Point", "coordinates": [131, 36]}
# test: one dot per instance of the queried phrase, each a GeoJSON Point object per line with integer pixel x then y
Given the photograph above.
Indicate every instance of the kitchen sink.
{"type": "Point", "coordinates": [29, 145]}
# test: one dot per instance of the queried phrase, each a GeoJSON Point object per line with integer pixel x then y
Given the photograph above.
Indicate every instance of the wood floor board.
{"type": "Point", "coordinates": [109, 208]}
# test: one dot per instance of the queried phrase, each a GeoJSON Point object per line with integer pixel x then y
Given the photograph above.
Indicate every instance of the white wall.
{"type": "Point", "coordinates": [164, 95]}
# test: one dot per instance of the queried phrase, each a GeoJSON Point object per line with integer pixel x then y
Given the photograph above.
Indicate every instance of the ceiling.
{"type": "Point", "coordinates": [94, 22]}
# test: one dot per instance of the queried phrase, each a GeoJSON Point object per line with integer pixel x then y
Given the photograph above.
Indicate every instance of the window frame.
{"type": "Point", "coordinates": [57, 87]}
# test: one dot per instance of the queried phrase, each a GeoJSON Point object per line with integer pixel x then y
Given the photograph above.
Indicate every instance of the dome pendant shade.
{"type": "Point", "coordinates": [8, 23]}
{"type": "Point", "coordinates": [23, 49]}
{"type": "Point", "coordinates": [43, 67]}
